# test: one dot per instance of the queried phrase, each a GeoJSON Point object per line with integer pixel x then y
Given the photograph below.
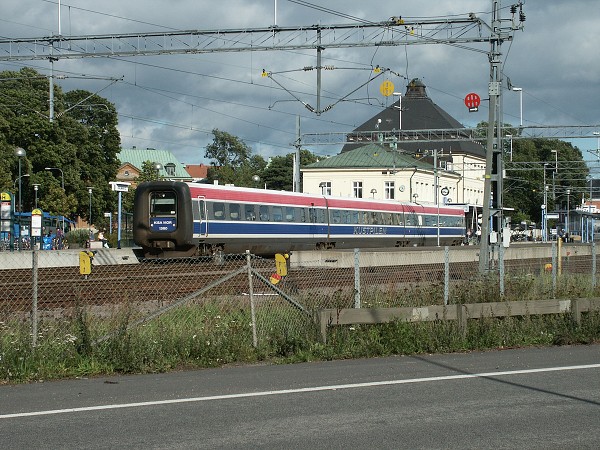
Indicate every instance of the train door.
{"type": "Point", "coordinates": [200, 213]}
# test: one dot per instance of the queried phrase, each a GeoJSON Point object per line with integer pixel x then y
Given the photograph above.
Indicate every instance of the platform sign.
{"type": "Point", "coordinates": [36, 223]}
{"type": "Point", "coordinates": [5, 211]}
{"type": "Point", "coordinates": [472, 101]}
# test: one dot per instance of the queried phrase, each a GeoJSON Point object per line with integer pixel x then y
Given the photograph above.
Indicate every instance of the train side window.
{"type": "Point", "coordinates": [375, 218]}
{"type": "Point", "coordinates": [249, 212]}
{"type": "Point", "coordinates": [277, 214]}
{"type": "Point", "coordinates": [335, 216]}
{"type": "Point", "coordinates": [218, 211]}
{"type": "Point", "coordinates": [321, 216]}
{"type": "Point", "coordinates": [303, 215]}
{"type": "Point", "coordinates": [234, 211]}
{"type": "Point", "coordinates": [398, 219]}
{"type": "Point", "coordinates": [163, 203]}
{"type": "Point", "coordinates": [364, 218]}
{"type": "Point", "coordinates": [263, 213]}
{"type": "Point", "coordinates": [411, 219]}
{"type": "Point", "coordinates": [290, 215]}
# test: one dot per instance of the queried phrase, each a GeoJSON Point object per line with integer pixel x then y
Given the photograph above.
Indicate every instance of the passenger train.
{"type": "Point", "coordinates": [177, 219]}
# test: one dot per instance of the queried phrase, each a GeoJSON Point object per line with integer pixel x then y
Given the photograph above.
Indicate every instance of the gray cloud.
{"type": "Point", "coordinates": [174, 102]}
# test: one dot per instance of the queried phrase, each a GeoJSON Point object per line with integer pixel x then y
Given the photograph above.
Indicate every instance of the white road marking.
{"type": "Point", "coordinates": [298, 391]}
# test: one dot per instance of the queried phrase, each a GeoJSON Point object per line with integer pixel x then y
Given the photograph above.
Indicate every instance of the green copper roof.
{"type": "Point", "coordinates": [369, 156]}
{"type": "Point", "coordinates": [137, 156]}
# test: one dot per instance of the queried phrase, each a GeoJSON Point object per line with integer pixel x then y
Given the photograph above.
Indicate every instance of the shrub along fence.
{"type": "Point", "coordinates": [45, 294]}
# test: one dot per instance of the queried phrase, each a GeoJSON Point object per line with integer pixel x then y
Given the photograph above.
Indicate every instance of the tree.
{"type": "Point", "coordinates": [227, 150]}
{"type": "Point", "coordinates": [82, 144]}
{"type": "Point", "coordinates": [534, 159]}
{"type": "Point", "coordinates": [233, 162]}
{"type": "Point", "coordinates": [279, 174]}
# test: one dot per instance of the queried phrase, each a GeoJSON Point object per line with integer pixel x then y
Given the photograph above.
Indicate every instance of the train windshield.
{"type": "Point", "coordinates": [163, 203]}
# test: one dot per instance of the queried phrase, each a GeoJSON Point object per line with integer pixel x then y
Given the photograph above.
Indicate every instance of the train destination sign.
{"type": "Point", "coordinates": [163, 223]}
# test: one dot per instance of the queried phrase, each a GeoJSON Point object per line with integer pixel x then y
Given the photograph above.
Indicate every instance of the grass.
{"type": "Point", "coordinates": [220, 332]}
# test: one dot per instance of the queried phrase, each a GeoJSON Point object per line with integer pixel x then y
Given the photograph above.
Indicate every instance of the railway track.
{"type": "Point", "coordinates": [61, 289]}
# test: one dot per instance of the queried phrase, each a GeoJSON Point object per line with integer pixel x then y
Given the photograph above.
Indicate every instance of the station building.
{"type": "Point", "coordinates": [376, 163]}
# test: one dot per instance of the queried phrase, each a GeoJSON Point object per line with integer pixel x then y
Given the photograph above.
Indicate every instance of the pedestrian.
{"type": "Point", "coordinates": [102, 239]}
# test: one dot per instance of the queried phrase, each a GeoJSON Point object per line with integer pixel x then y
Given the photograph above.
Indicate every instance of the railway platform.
{"type": "Point", "coordinates": [65, 258]}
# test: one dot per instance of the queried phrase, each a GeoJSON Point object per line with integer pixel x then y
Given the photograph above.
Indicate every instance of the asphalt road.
{"type": "Point", "coordinates": [523, 398]}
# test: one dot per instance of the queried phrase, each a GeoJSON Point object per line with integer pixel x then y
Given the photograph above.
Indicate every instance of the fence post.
{"type": "Point", "coordinates": [461, 318]}
{"type": "Point", "coordinates": [446, 274]}
{"type": "Point", "coordinates": [501, 268]}
{"type": "Point", "coordinates": [251, 291]}
{"type": "Point", "coordinates": [576, 311]}
{"type": "Point", "coordinates": [554, 269]}
{"type": "Point", "coordinates": [34, 306]}
{"type": "Point", "coordinates": [357, 278]}
{"type": "Point", "coordinates": [593, 265]}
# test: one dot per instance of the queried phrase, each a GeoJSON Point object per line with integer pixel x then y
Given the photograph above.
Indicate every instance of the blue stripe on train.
{"type": "Point", "coordinates": [291, 229]}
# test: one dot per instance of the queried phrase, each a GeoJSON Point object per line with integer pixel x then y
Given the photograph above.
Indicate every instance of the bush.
{"type": "Point", "coordinates": [78, 236]}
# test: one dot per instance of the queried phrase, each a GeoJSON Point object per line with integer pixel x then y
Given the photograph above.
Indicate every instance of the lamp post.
{"type": "Point", "coordinates": [567, 217]}
{"type": "Point", "coordinates": [323, 186]}
{"type": "Point", "coordinates": [554, 176]}
{"type": "Point", "coordinates": [18, 179]}
{"type": "Point", "coordinates": [20, 153]}
{"type": "Point", "coordinates": [90, 189]}
{"type": "Point", "coordinates": [520, 91]}
{"type": "Point", "coordinates": [35, 189]}
{"type": "Point", "coordinates": [157, 167]}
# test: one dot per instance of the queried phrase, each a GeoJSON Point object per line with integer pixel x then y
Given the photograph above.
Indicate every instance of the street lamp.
{"type": "Point", "coordinates": [158, 167]}
{"type": "Point", "coordinates": [35, 188]}
{"type": "Point", "coordinates": [554, 176]}
{"type": "Point", "coordinates": [567, 217]}
{"type": "Point", "coordinates": [256, 179]}
{"type": "Point", "coordinates": [520, 91]}
{"type": "Point", "coordinates": [373, 192]}
{"type": "Point", "coordinates": [20, 153]}
{"type": "Point", "coordinates": [90, 189]}
{"type": "Point", "coordinates": [19, 179]}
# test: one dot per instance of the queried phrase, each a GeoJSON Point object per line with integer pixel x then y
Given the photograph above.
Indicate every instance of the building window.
{"type": "Point", "coordinates": [325, 187]}
{"type": "Point", "coordinates": [357, 188]}
{"type": "Point", "coordinates": [170, 169]}
{"type": "Point", "coordinates": [389, 190]}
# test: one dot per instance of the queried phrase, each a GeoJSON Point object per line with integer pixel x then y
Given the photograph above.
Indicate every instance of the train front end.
{"type": "Point", "coordinates": [162, 219]}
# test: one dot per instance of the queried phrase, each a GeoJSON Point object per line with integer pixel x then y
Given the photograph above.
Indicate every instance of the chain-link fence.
{"type": "Point", "coordinates": [45, 293]}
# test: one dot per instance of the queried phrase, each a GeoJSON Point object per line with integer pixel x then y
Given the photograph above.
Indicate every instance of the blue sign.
{"type": "Point", "coordinates": [163, 224]}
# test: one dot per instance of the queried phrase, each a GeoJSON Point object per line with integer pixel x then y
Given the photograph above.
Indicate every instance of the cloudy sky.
{"type": "Point", "coordinates": [174, 101]}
